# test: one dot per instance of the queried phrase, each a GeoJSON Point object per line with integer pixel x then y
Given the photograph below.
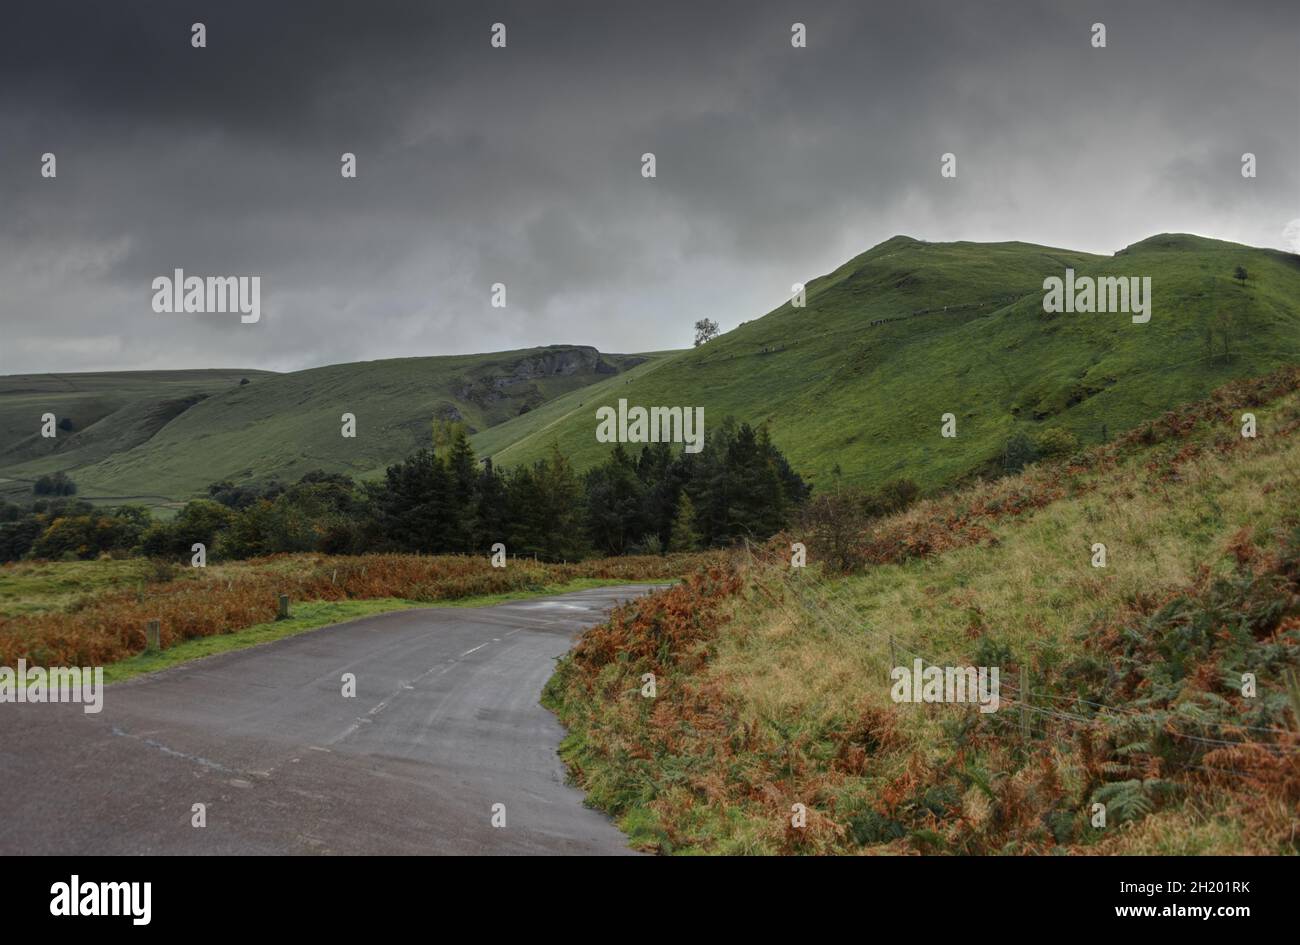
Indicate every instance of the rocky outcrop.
{"type": "Point", "coordinates": [560, 362]}
{"type": "Point", "coordinates": [516, 382]}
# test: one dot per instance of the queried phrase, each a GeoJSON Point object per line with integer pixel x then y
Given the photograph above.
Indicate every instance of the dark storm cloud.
{"type": "Point", "coordinates": [522, 165]}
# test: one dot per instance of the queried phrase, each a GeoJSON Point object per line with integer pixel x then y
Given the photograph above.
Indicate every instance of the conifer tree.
{"type": "Point", "coordinates": [684, 536]}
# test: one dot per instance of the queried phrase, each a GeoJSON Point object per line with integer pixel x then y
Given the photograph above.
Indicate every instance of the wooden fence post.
{"type": "Point", "coordinates": [284, 608]}
{"type": "Point", "coordinates": [153, 636]}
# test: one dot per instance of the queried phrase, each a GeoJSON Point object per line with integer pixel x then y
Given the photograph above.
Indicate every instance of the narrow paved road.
{"type": "Point", "coordinates": [445, 724]}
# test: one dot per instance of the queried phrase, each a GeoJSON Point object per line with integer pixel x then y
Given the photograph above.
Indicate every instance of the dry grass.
{"type": "Point", "coordinates": [191, 603]}
{"type": "Point", "coordinates": [786, 699]}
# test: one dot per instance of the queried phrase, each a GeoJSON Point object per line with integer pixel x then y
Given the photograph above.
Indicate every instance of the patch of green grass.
{"type": "Point", "coordinates": [37, 587]}
{"type": "Point", "coordinates": [313, 615]}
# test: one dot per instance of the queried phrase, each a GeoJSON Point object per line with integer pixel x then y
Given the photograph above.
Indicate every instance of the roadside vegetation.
{"type": "Point", "coordinates": [316, 614]}
{"type": "Point", "coordinates": [1123, 686]}
{"type": "Point", "coordinates": [108, 625]}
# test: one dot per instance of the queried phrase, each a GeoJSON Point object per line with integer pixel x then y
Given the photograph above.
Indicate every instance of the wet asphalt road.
{"type": "Point", "coordinates": [444, 725]}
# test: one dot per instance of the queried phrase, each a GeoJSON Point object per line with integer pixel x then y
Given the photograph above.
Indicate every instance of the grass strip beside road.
{"type": "Point", "coordinates": [313, 615]}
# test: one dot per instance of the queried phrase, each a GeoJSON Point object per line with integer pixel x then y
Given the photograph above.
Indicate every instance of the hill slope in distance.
{"type": "Point", "coordinates": [283, 425]}
{"type": "Point", "coordinates": [897, 337]}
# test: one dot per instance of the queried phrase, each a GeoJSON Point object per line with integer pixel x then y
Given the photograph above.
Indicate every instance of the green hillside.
{"type": "Point", "coordinates": [909, 331]}
{"type": "Point", "coordinates": [285, 425]}
{"type": "Point", "coordinates": [858, 379]}
{"type": "Point", "coordinates": [98, 414]}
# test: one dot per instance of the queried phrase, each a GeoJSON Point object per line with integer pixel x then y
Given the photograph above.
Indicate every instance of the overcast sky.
{"type": "Point", "coordinates": [522, 165]}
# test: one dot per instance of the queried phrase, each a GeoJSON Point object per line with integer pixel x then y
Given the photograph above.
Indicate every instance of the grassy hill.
{"type": "Point", "coordinates": [1120, 685]}
{"type": "Point", "coordinates": [99, 414]}
{"type": "Point", "coordinates": [857, 380]}
{"type": "Point", "coordinates": [140, 444]}
{"type": "Point", "coordinates": [909, 331]}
